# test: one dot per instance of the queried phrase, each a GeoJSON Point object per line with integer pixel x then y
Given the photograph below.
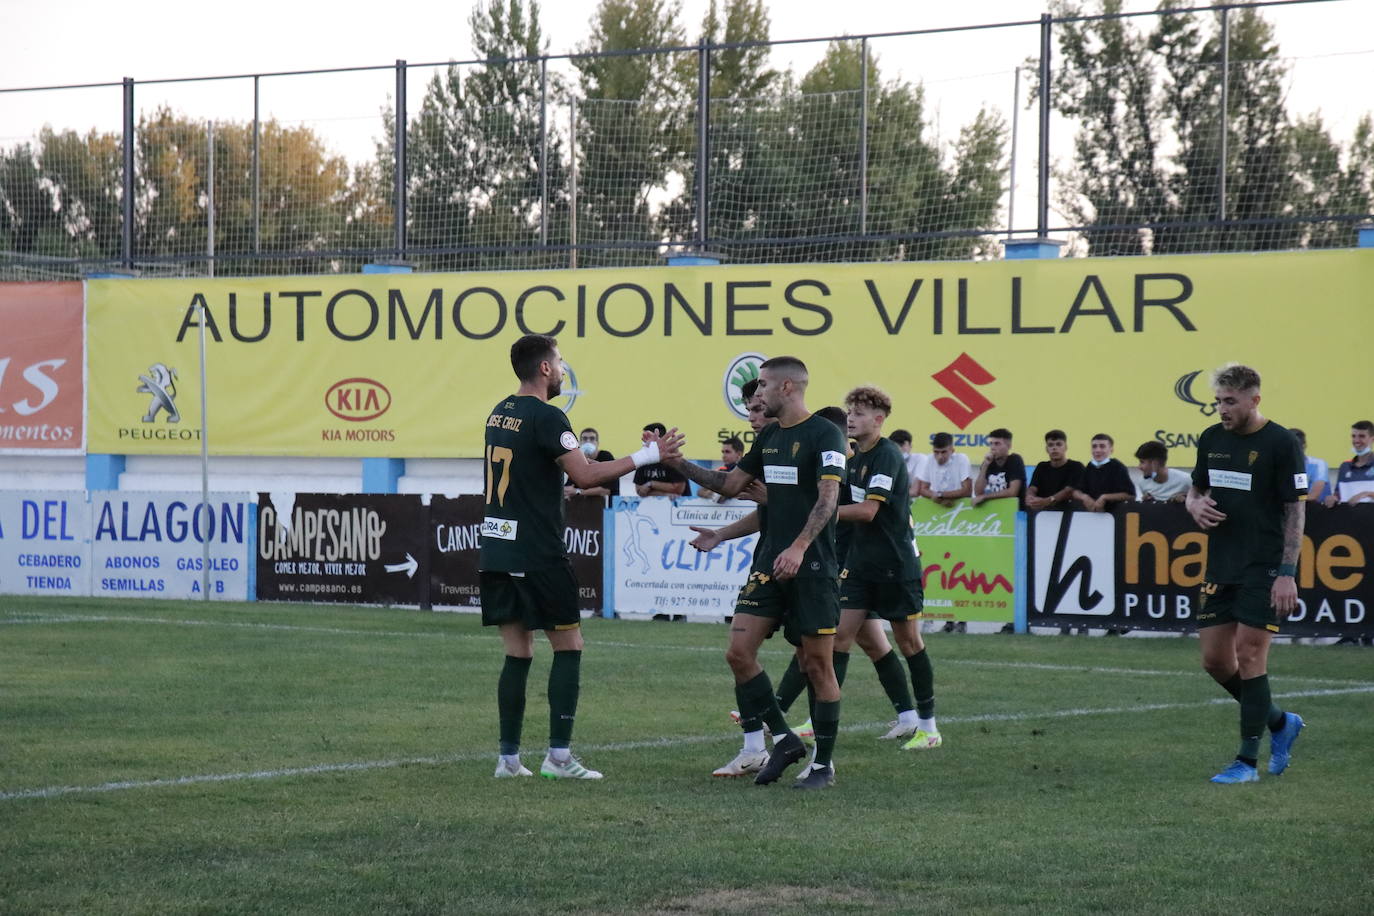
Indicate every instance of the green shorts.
{"type": "Point", "coordinates": [897, 600]}
{"type": "Point", "coordinates": [805, 606]}
{"type": "Point", "coordinates": [544, 599]}
{"type": "Point", "coordinates": [1247, 604]}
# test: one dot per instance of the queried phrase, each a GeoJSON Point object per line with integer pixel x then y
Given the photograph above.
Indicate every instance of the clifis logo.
{"type": "Point", "coordinates": [959, 378]}
{"type": "Point", "coordinates": [357, 399]}
{"type": "Point", "coordinates": [742, 370]}
{"type": "Point", "coordinates": [1183, 390]}
{"type": "Point", "coordinates": [160, 382]}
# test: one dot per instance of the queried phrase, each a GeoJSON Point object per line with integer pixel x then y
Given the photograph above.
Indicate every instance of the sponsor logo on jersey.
{"type": "Point", "coordinates": [777, 473]}
{"type": "Point", "coordinates": [503, 529]}
{"type": "Point", "coordinates": [857, 493]}
{"type": "Point", "coordinates": [1230, 480]}
{"type": "Point", "coordinates": [831, 459]}
{"type": "Point", "coordinates": [1300, 481]}
{"type": "Point", "coordinates": [880, 482]}
{"type": "Point", "coordinates": [568, 440]}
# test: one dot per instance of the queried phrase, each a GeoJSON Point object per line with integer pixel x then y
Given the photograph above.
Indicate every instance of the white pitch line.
{"type": "Point", "coordinates": [472, 756]}
{"type": "Point", "coordinates": [595, 643]}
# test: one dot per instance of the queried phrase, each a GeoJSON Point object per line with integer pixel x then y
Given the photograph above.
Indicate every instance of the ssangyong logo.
{"type": "Point", "coordinates": [742, 370]}
{"type": "Point", "coordinates": [357, 399]}
{"type": "Point", "coordinates": [1183, 390]}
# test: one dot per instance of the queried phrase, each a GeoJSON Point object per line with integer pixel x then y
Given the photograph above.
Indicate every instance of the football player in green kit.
{"type": "Point", "coordinates": [1248, 489]}
{"type": "Point", "coordinates": [801, 461]}
{"type": "Point", "coordinates": [527, 580]}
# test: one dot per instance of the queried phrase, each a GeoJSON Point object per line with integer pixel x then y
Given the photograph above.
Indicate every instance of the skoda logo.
{"type": "Point", "coordinates": [742, 369]}
{"type": "Point", "coordinates": [568, 396]}
{"type": "Point", "coordinates": [1183, 389]}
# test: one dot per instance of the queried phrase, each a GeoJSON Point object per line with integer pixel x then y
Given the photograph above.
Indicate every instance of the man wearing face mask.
{"type": "Point", "coordinates": [591, 447]}
{"type": "Point", "coordinates": [1105, 480]}
{"type": "Point", "coordinates": [1157, 483]}
{"type": "Point", "coordinates": [1355, 478]}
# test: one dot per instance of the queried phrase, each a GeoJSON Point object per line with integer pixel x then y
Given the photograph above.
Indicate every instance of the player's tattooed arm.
{"type": "Point", "coordinates": [726, 483]}
{"type": "Point", "coordinates": [1294, 518]}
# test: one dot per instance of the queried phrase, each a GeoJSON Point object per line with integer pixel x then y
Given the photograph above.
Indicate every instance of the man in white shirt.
{"type": "Point", "coordinates": [914, 460]}
{"type": "Point", "coordinates": [947, 477]}
{"type": "Point", "coordinates": [1158, 484]}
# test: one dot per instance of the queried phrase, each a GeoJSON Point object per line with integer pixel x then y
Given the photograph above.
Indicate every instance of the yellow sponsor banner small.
{"type": "Point", "coordinates": [410, 365]}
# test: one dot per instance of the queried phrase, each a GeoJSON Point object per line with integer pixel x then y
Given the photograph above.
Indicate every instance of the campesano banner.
{"type": "Point", "coordinates": [410, 365]}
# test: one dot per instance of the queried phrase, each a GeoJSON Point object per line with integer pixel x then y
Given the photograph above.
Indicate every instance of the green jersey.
{"type": "Point", "coordinates": [791, 462]}
{"type": "Point", "coordinates": [1251, 478]}
{"type": "Point", "coordinates": [523, 527]}
{"type": "Point", "coordinates": [882, 549]}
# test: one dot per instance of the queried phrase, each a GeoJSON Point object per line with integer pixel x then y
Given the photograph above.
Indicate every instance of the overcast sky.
{"type": "Point", "coordinates": [82, 41]}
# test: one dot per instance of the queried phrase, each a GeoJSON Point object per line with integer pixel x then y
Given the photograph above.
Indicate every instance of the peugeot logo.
{"type": "Point", "coordinates": [160, 382]}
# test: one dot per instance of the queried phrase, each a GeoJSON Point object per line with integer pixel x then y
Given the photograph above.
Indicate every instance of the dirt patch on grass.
{"type": "Point", "coordinates": [734, 901]}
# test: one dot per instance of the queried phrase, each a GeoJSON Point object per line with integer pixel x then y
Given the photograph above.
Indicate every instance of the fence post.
{"type": "Point", "coordinates": [399, 153]}
{"type": "Point", "coordinates": [1042, 216]}
{"type": "Point", "coordinates": [1223, 124]}
{"type": "Point", "coordinates": [209, 200]}
{"type": "Point", "coordinates": [544, 151]}
{"type": "Point", "coordinates": [863, 137]}
{"type": "Point", "coordinates": [257, 170]}
{"type": "Point", "coordinates": [126, 241]}
{"type": "Point", "coordinates": [572, 182]}
{"type": "Point", "coordinates": [1015, 133]}
{"type": "Point", "coordinates": [703, 139]}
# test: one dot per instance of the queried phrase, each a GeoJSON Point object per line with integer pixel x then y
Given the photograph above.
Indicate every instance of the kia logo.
{"type": "Point", "coordinates": [357, 399]}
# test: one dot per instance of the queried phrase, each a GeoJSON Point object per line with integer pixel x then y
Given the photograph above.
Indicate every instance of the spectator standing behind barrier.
{"type": "Point", "coordinates": [948, 476]}
{"type": "Point", "coordinates": [659, 479]}
{"type": "Point", "coordinates": [914, 460]}
{"type": "Point", "coordinates": [1002, 474]}
{"type": "Point", "coordinates": [731, 450]}
{"type": "Point", "coordinates": [1355, 478]}
{"type": "Point", "coordinates": [590, 444]}
{"type": "Point", "coordinates": [1157, 483]}
{"type": "Point", "coordinates": [1053, 483]}
{"type": "Point", "coordinates": [1105, 480]}
{"type": "Point", "coordinates": [1318, 471]}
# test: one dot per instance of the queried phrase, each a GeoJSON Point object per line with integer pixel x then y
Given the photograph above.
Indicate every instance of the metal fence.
{"type": "Point", "coordinates": [1106, 131]}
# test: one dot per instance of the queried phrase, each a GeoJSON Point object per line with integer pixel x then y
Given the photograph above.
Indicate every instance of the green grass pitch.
{"type": "Point", "coordinates": [180, 757]}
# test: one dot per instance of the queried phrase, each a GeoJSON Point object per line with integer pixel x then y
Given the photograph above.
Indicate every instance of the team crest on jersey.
{"type": "Point", "coordinates": [796, 447]}
{"type": "Point", "coordinates": [1253, 457]}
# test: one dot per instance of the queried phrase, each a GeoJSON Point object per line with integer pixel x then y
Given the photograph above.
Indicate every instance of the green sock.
{"type": "Point", "coordinates": [1254, 710]}
{"type": "Point", "coordinates": [1275, 717]}
{"type": "Point", "coordinates": [757, 696]}
{"type": "Point", "coordinates": [826, 722]}
{"type": "Point", "coordinates": [791, 686]}
{"type": "Point", "coordinates": [894, 681]}
{"type": "Point", "coordinates": [565, 677]}
{"type": "Point", "coordinates": [841, 662]}
{"type": "Point", "coordinates": [922, 683]}
{"type": "Point", "coordinates": [510, 701]}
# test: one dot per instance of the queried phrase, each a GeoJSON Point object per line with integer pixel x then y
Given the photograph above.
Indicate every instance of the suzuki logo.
{"type": "Point", "coordinates": [357, 399]}
{"type": "Point", "coordinates": [959, 379]}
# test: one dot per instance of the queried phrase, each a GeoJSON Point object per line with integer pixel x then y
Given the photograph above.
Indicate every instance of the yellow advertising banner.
{"type": "Point", "coordinates": [396, 365]}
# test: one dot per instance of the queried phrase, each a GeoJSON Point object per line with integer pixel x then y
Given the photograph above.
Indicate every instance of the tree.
{"type": "Point", "coordinates": [635, 126]}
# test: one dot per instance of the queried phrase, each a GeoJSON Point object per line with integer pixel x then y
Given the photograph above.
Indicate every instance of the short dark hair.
{"type": "Point", "coordinates": [589, 429]}
{"type": "Point", "coordinates": [1235, 377]}
{"type": "Point", "coordinates": [1000, 433]}
{"type": "Point", "coordinates": [835, 415]}
{"type": "Point", "coordinates": [784, 364]}
{"type": "Point", "coordinates": [747, 390]}
{"type": "Point", "coordinates": [735, 442]}
{"type": "Point", "coordinates": [900, 436]}
{"type": "Point", "coordinates": [528, 352]}
{"type": "Point", "coordinates": [1364, 425]}
{"type": "Point", "coordinates": [1056, 434]}
{"type": "Point", "coordinates": [1109, 440]}
{"type": "Point", "coordinates": [656, 428]}
{"type": "Point", "coordinates": [1152, 450]}
{"type": "Point", "coordinates": [1299, 435]}
{"type": "Point", "coordinates": [941, 440]}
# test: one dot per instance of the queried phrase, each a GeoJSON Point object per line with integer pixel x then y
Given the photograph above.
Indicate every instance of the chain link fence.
{"type": "Point", "coordinates": [1138, 135]}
